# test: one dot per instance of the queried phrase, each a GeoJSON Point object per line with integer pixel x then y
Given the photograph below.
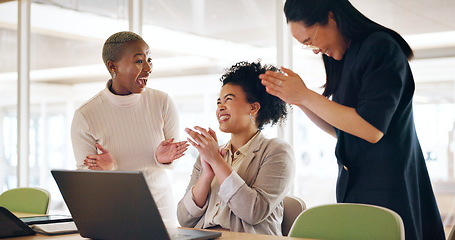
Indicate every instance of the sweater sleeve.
{"type": "Point", "coordinates": [171, 126]}
{"type": "Point", "coordinates": [82, 140]}
{"type": "Point", "coordinates": [171, 120]}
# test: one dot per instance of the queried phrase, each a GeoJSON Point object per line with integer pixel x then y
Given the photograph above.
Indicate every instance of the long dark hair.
{"type": "Point", "coordinates": [353, 25]}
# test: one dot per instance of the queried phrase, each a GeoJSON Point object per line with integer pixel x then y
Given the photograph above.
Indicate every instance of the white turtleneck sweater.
{"type": "Point", "coordinates": [130, 127]}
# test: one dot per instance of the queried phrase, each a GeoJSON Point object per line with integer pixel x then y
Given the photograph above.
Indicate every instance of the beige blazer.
{"type": "Point", "coordinates": [267, 173]}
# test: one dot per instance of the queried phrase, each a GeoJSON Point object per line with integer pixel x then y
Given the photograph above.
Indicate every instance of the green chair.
{"type": "Point", "coordinates": [27, 200]}
{"type": "Point", "coordinates": [348, 221]}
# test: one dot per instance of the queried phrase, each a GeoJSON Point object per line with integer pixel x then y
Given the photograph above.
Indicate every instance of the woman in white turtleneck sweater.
{"type": "Point", "coordinates": [127, 126]}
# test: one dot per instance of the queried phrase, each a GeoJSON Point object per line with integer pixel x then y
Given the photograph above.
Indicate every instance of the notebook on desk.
{"type": "Point", "coordinates": [116, 205]}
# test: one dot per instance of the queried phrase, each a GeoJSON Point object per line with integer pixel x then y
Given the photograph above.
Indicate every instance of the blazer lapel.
{"type": "Point", "coordinates": [250, 157]}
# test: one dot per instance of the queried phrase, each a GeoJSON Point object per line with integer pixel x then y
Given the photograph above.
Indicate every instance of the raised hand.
{"type": "Point", "coordinates": [168, 150]}
{"type": "Point", "coordinates": [206, 143]}
{"type": "Point", "coordinates": [290, 87]}
{"type": "Point", "coordinates": [102, 161]}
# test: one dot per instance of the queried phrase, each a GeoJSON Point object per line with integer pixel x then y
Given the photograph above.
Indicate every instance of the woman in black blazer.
{"type": "Point", "coordinates": [370, 111]}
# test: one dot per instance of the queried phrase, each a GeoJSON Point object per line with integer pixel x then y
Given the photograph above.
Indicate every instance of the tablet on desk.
{"type": "Point", "coordinates": [46, 219]}
{"type": "Point", "coordinates": [11, 226]}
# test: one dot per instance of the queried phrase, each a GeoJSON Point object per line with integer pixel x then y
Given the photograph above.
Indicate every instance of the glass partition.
{"type": "Point", "coordinates": [192, 42]}
{"type": "Point", "coordinates": [8, 95]}
{"type": "Point", "coordinates": [66, 42]}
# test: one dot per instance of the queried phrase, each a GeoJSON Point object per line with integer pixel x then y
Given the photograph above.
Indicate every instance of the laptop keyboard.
{"type": "Point", "coordinates": [177, 236]}
{"type": "Point", "coordinates": [55, 228]}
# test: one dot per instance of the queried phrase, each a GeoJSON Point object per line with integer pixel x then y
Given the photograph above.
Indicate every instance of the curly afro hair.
{"type": "Point", "coordinates": [246, 75]}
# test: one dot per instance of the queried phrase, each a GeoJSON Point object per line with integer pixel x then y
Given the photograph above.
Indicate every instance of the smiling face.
{"type": "Point", "coordinates": [132, 69]}
{"type": "Point", "coordinates": [233, 111]}
{"type": "Point", "coordinates": [328, 38]}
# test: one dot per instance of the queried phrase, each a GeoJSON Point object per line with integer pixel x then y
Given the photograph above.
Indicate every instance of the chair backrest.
{"type": "Point", "coordinates": [452, 234]}
{"type": "Point", "coordinates": [28, 200]}
{"type": "Point", "coordinates": [345, 221]}
{"type": "Point", "coordinates": [293, 206]}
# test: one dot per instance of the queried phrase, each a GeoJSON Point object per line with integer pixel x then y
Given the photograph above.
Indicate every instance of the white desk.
{"type": "Point", "coordinates": [226, 235]}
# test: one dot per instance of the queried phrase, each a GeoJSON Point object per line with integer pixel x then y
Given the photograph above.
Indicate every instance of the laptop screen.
{"type": "Point", "coordinates": [113, 205]}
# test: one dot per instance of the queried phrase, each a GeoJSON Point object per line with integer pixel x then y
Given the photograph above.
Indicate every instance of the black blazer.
{"type": "Point", "coordinates": [377, 81]}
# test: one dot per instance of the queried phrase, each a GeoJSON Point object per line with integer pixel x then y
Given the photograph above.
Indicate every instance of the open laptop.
{"type": "Point", "coordinates": [116, 205]}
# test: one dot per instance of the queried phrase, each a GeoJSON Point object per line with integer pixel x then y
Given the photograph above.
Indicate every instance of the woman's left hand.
{"type": "Point", "coordinates": [290, 88]}
{"type": "Point", "coordinates": [168, 150]}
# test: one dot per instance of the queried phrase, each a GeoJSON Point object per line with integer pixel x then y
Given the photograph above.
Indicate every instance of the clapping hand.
{"type": "Point", "coordinates": [168, 150]}
{"type": "Point", "coordinates": [206, 143]}
{"type": "Point", "coordinates": [212, 158]}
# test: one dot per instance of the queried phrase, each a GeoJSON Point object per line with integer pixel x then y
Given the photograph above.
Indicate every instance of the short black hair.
{"type": "Point", "coordinates": [113, 46]}
{"type": "Point", "coordinates": [246, 75]}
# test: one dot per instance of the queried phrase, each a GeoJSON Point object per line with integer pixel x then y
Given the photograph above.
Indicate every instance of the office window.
{"type": "Point", "coordinates": [64, 54]}
{"type": "Point", "coordinates": [192, 42]}
{"type": "Point", "coordinates": [8, 95]}
{"type": "Point", "coordinates": [66, 69]}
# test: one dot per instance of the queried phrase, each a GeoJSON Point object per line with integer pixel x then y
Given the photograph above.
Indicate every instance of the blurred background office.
{"type": "Point", "coordinates": [50, 63]}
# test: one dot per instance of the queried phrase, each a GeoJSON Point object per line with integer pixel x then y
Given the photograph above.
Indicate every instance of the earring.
{"type": "Point", "coordinates": [114, 75]}
{"type": "Point", "coordinates": [252, 119]}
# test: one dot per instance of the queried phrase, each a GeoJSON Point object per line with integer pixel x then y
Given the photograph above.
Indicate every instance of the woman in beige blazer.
{"type": "Point", "coordinates": [240, 186]}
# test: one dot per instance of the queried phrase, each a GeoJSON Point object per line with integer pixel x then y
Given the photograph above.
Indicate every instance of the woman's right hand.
{"type": "Point", "coordinates": [207, 171]}
{"type": "Point", "coordinates": [207, 145]}
{"type": "Point", "coordinates": [102, 161]}
{"type": "Point", "coordinates": [202, 187]}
